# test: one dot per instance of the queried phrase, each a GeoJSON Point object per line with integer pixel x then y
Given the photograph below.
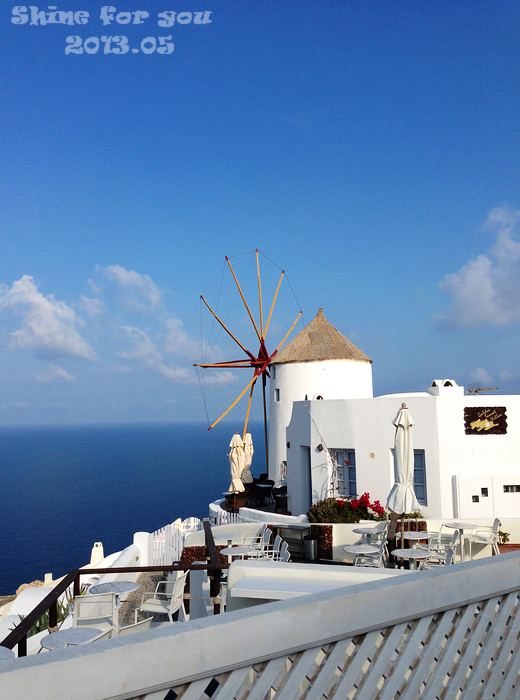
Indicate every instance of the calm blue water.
{"type": "Point", "coordinates": [64, 488]}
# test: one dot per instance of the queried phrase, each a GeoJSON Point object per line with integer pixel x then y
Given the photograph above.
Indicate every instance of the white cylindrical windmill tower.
{"type": "Point", "coordinates": [319, 363]}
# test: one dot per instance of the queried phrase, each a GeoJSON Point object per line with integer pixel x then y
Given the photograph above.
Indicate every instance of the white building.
{"type": "Point", "coordinates": [467, 455]}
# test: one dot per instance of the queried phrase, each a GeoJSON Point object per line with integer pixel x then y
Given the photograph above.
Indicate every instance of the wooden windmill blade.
{"type": "Point", "coordinates": [259, 361]}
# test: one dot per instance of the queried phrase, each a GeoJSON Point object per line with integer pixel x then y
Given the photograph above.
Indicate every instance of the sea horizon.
{"type": "Point", "coordinates": [67, 486]}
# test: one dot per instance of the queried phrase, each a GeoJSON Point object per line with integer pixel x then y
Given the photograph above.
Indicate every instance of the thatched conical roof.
{"type": "Point", "coordinates": [317, 342]}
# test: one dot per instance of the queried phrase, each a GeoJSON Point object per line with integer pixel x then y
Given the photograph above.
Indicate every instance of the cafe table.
{"type": "Point", "coordinates": [6, 654]}
{"type": "Point", "coordinates": [416, 536]}
{"type": "Point", "coordinates": [71, 636]}
{"type": "Point", "coordinates": [461, 527]}
{"type": "Point", "coordinates": [229, 537]}
{"type": "Point", "coordinates": [360, 550]}
{"type": "Point", "coordinates": [117, 587]}
{"type": "Point", "coordinates": [240, 551]}
{"type": "Point", "coordinates": [413, 555]}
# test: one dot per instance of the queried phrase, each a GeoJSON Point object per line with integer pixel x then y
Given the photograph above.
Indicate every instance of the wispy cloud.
{"type": "Point", "coordinates": [481, 377]}
{"type": "Point", "coordinates": [48, 325]}
{"type": "Point", "coordinates": [177, 341]}
{"type": "Point", "coordinates": [137, 291]}
{"type": "Point", "coordinates": [486, 291]}
{"type": "Point", "coordinates": [55, 372]}
{"type": "Point", "coordinates": [92, 307]}
{"type": "Point", "coordinates": [146, 352]}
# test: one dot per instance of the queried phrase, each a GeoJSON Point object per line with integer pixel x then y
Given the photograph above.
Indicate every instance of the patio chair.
{"type": "Point", "coordinates": [263, 547]}
{"type": "Point", "coordinates": [273, 551]}
{"type": "Point", "coordinates": [485, 535]}
{"type": "Point", "coordinates": [439, 553]}
{"type": "Point", "coordinates": [285, 555]}
{"type": "Point", "coordinates": [255, 539]}
{"type": "Point", "coordinates": [449, 559]}
{"type": "Point", "coordinates": [106, 634]}
{"type": "Point", "coordinates": [95, 611]}
{"type": "Point", "coordinates": [165, 603]}
{"type": "Point", "coordinates": [136, 627]}
{"type": "Point", "coordinates": [378, 560]}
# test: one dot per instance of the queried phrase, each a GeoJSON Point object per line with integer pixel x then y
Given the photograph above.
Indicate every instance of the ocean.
{"type": "Point", "coordinates": [66, 487]}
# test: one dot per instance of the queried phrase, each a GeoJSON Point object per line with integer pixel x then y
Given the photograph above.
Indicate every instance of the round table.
{"type": "Point", "coordinates": [461, 527]}
{"type": "Point", "coordinates": [74, 635]}
{"type": "Point", "coordinates": [414, 555]}
{"type": "Point", "coordinates": [416, 536]}
{"type": "Point", "coordinates": [240, 551]}
{"type": "Point", "coordinates": [367, 532]}
{"type": "Point", "coordinates": [230, 538]}
{"type": "Point", "coordinates": [6, 654]}
{"type": "Point", "coordinates": [117, 587]}
{"type": "Point", "coordinates": [359, 550]}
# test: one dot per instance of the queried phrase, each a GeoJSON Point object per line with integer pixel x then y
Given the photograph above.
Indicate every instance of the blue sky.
{"type": "Point", "coordinates": [370, 149]}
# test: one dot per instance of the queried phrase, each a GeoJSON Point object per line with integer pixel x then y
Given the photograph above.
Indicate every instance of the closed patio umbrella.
{"type": "Point", "coordinates": [236, 463]}
{"type": "Point", "coordinates": [247, 477]}
{"type": "Point", "coordinates": [402, 496]}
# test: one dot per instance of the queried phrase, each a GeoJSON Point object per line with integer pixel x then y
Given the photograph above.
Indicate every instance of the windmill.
{"type": "Point", "coordinates": [257, 361]}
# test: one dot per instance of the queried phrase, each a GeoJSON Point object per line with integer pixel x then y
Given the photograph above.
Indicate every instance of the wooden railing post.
{"type": "Point", "coordinates": [212, 556]}
{"type": "Point", "coordinates": [53, 614]}
{"type": "Point", "coordinates": [22, 646]}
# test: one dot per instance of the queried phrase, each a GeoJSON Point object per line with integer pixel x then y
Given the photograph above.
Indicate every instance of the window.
{"type": "Point", "coordinates": [346, 466]}
{"type": "Point", "coordinates": [419, 476]}
{"type": "Point", "coordinates": [273, 372]}
{"type": "Point", "coordinates": [277, 394]}
{"type": "Point", "coordinates": [512, 489]}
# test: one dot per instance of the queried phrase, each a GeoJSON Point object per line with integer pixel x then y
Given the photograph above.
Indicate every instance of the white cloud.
{"type": "Point", "coordinates": [177, 341]}
{"type": "Point", "coordinates": [92, 307]}
{"type": "Point", "coordinates": [48, 325]}
{"type": "Point", "coordinates": [482, 377]}
{"type": "Point", "coordinates": [145, 352]}
{"type": "Point", "coordinates": [94, 286]}
{"type": "Point", "coordinates": [486, 291]}
{"type": "Point", "coordinates": [137, 288]}
{"type": "Point", "coordinates": [55, 372]}
{"type": "Point", "coordinates": [220, 377]}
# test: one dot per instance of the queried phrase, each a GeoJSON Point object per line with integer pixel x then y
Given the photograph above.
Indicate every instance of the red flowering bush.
{"type": "Point", "coordinates": [344, 510]}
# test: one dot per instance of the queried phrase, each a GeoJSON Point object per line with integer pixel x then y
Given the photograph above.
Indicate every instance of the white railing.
{"type": "Point", "coordinates": [219, 516]}
{"type": "Point", "coordinates": [447, 633]}
{"type": "Point", "coordinates": [166, 546]}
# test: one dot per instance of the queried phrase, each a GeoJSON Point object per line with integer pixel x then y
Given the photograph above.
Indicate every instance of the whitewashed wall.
{"type": "Point", "coordinates": [336, 379]}
{"type": "Point", "coordinates": [365, 425]}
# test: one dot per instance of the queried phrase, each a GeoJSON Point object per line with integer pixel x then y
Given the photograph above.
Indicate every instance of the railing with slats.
{"type": "Point", "coordinates": [441, 634]}
{"type": "Point", "coordinates": [166, 545]}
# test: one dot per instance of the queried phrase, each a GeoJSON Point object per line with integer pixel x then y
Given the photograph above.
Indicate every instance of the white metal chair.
{"type": "Point", "coordinates": [486, 535]}
{"type": "Point", "coordinates": [166, 603]}
{"type": "Point", "coordinates": [263, 547]}
{"type": "Point", "coordinates": [378, 559]}
{"type": "Point", "coordinates": [447, 561]}
{"type": "Point", "coordinates": [136, 627]}
{"type": "Point", "coordinates": [95, 611]}
{"type": "Point", "coordinates": [273, 551]}
{"type": "Point", "coordinates": [106, 634]}
{"type": "Point", "coordinates": [255, 540]}
{"type": "Point", "coordinates": [439, 553]}
{"type": "Point", "coordinates": [285, 555]}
